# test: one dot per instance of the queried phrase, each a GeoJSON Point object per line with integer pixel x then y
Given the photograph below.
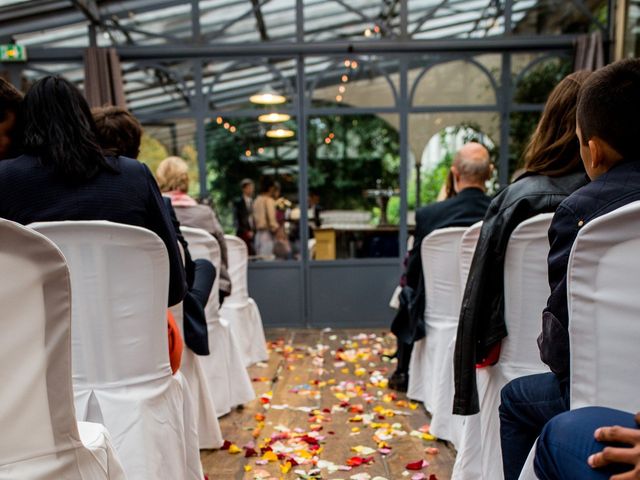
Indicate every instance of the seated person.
{"type": "Point", "coordinates": [119, 134]}
{"type": "Point", "coordinates": [10, 100]}
{"type": "Point", "coordinates": [608, 130]}
{"type": "Point", "coordinates": [63, 174]}
{"type": "Point", "coordinates": [553, 170]}
{"type": "Point", "coordinates": [470, 170]}
{"type": "Point", "coordinates": [584, 444]}
{"type": "Point", "coordinates": [173, 179]}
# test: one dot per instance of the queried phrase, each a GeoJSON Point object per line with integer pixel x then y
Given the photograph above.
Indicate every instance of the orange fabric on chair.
{"type": "Point", "coordinates": [175, 343]}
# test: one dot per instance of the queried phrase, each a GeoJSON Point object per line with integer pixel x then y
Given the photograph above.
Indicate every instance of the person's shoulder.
{"type": "Point", "coordinates": [21, 162]}
{"type": "Point", "coordinates": [128, 166]}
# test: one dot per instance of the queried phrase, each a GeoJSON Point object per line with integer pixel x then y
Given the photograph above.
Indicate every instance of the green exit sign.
{"type": "Point", "coordinates": [13, 53]}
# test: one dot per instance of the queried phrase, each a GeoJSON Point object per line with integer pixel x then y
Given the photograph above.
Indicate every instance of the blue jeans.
{"type": "Point", "coordinates": [567, 442]}
{"type": "Point", "coordinates": [527, 404]}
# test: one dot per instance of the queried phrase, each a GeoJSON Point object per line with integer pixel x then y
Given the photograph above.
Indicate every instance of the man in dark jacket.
{"type": "Point", "coordinates": [243, 213]}
{"type": "Point", "coordinates": [471, 169]}
{"type": "Point", "coordinates": [608, 131]}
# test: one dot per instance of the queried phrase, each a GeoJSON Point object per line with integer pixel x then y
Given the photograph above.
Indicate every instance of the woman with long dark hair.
{"type": "Point", "coordinates": [63, 174]}
{"type": "Point", "coordinates": [552, 171]}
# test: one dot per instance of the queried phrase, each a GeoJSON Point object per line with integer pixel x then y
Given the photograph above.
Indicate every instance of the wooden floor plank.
{"type": "Point", "coordinates": [329, 372]}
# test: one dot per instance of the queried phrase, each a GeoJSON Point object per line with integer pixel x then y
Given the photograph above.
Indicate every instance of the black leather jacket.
{"type": "Point", "coordinates": [482, 322]}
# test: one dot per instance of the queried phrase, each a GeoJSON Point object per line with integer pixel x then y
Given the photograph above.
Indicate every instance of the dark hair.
{"type": "Point", "coordinates": [59, 129]}
{"type": "Point", "coordinates": [608, 107]}
{"type": "Point", "coordinates": [266, 183]}
{"type": "Point", "coordinates": [118, 132]}
{"type": "Point", "coordinates": [10, 99]}
{"type": "Point", "coordinates": [554, 149]}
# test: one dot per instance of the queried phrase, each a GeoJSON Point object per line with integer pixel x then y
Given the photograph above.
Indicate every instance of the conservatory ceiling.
{"type": "Point", "coordinates": [167, 84]}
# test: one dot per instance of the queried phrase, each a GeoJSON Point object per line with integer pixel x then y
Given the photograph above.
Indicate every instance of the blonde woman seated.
{"type": "Point", "coordinates": [172, 176]}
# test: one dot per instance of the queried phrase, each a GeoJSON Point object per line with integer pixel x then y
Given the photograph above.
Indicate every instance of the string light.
{"type": "Point", "coordinates": [226, 125]}
{"type": "Point", "coordinates": [232, 129]}
{"type": "Point", "coordinates": [260, 150]}
{"type": "Point", "coordinates": [332, 135]}
{"type": "Point", "coordinates": [345, 78]}
{"type": "Point", "coordinates": [247, 153]}
{"type": "Point", "coordinates": [341, 89]}
{"type": "Point", "coordinates": [327, 140]}
{"type": "Point", "coordinates": [354, 65]}
{"type": "Point", "coordinates": [338, 98]}
{"type": "Point", "coordinates": [219, 120]}
{"type": "Point", "coordinates": [347, 63]}
{"type": "Point", "coordinates": [367, 32]}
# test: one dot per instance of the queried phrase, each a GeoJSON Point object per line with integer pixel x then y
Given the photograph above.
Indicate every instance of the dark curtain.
{"type": "Point", "coordinates": [589, 54]}
{"type": "Point", "coordinates": [103, 78]}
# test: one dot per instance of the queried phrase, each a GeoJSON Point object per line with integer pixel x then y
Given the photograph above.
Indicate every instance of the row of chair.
{"type": "Point", "coordinates": [105, 349]}
{"type": "Point", "coordinates": [602, 312]}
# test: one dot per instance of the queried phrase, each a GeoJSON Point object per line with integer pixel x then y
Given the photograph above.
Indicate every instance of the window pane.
{"type": "Point", "coordinates": [354, 167]}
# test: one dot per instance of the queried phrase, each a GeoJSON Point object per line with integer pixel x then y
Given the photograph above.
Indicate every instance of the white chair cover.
{"type": "Point", "coordinates": [40, 438]}
{"type": "Point", "coordinates": [603, 307]}
{"type": "Point", "coordinates": [440, 264]}
{"type": "Point", "coordinates": [241, 311]}
{"type": "Point", "coordinates": [468, 464]}
{"type": "Point", "coordinates": [526, 289]}
{"type": "Point", "coordinates": [204, 410]}
{"type": "Point", "coordinates": [467, 249]}
{"type": "Point", "coordinates": [228, 379]}
{"type": "Point", "coordinates": [603, 302]}
{"type": "Point", "coordinates": [121, 372]}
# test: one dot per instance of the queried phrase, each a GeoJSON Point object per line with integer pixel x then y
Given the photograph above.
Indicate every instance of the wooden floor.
{"type": "Point", "coordinates": [317, 388]}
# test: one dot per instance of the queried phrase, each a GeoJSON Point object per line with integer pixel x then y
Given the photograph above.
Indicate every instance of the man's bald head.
{"type": "Point", "coordinates": [471, 166]}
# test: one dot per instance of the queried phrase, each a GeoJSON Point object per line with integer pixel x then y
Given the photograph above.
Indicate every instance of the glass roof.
{"type": "Point", "coordinates": [153, 87]}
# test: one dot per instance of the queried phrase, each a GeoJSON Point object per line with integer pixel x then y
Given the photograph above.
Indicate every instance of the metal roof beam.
{"type": "Point", "coordinates": [280, 50]}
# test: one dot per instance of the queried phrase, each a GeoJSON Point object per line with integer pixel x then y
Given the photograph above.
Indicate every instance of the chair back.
{"type": "Point", "coordinates": [120, 280]}
{"type": "Point", "coordinates": [204, 245]}
{"type": "Point", "coordinates": [604, 306]}
{"type": "Point", "coordinates": [37, 416]}
{"type": "Point", "coordinates": [526, 290]}
{"type": "Point", "coordinates": [467, 249]}
{"type": "Point", "coordinates": [440, 250]}
{"type": "Point", "coordinates": [238, 258]}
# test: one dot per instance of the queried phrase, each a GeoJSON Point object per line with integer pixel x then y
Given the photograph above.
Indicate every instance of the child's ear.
{"type": "Point", "coordinates": [595, 153]}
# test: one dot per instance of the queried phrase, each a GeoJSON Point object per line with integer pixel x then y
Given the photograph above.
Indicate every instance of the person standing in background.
{"type": "Point", "coordinates": [264, 216]}
{"type": "Point", "coordinates": [243, 213]}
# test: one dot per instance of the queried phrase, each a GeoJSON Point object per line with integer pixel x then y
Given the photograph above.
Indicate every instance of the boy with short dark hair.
{"type": "Point", "coordinates": [10, 100]}
{"type": "Point", "coordinates": [608, 130]}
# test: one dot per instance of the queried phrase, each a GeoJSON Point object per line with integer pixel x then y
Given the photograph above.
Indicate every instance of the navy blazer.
{"type": "Point", "coordinates": [616, 188]}
{"type": "Point", "coordinates": [466, 208]}
{"type": "Point", "coordinates": [32, 192]}
{"type": "Point", "coordinates": [463, 210]}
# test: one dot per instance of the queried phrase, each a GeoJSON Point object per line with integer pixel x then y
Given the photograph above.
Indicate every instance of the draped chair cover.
{"type": "Point", "coordinates": [40, 438]}
{"type": "Point", "coordinates": [526, 289]}
{"type": "Point", "coordinates": [468, 464]}
{"type": "Point", "coordinates": [240, 309]}
{"type": "Point", "coordinates": [227, 377]}
{"type": "Point", "coordinates": [440, 265]}
{"type": "Point", "coordinates": [204, 409]}
{"type": "Point", "coordinates": [121, 372]}
{"type": "Point", "coordinates": [603, 304]}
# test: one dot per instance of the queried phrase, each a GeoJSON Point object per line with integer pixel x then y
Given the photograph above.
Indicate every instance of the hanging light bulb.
{"type": "Point", "coordinates": [267, 96]}
{"type": "Point", "coordinates": [280, 132]}
{"type": "Point", "coordinates": [274, 117]}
